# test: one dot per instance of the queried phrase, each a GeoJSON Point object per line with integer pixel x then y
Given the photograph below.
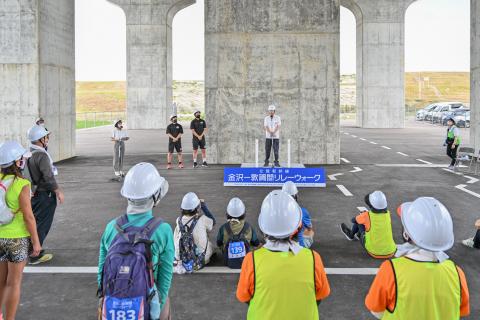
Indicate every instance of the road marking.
{"type": "Point", "coordinates": [402, 154]}
{"type": "Point", "coordinates": [344, 190]}
{"type": "Point", "coordinates": [362, 209]}
{"type": "Point", "coordinates": [373, 142]}
{"type": "Point", "coordinates": [206, 270]}
{"type": "Point", "coordinates": [356, 169]}
{"type": "Point", "coordinates": [346, 133]}
{"type": "Point", "coordinates": [426, 162]}
{"type": "Point", "coordinates": [462, 187]}
{"type": "Point", "coordinates": [385, 147]}
{"type": "Point", "coordinates": [332, 176]}
{"type": "Point", "coordinates": [472, 180]}
{"type": "Point", "coordinates": [363, 139]}
{"type": "Point", "coordinates": [353, 136]}
{"type": "Point", "coordinates": [451, 171]}
{"type": "Point", "coordinates": [344, 160]}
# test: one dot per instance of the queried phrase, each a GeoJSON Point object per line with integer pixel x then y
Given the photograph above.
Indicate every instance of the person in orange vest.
{"type": "Point", "coordinates": [373, 228]}
{"type": "Point", "coordinates": [282, 280]}
{"type": "Point", "coordinates": [421, 282]}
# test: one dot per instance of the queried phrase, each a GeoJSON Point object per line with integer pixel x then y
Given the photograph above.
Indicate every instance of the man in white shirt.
{"type": "Point", "coordinates": [119, 136]}
{"type": "Point", "coordinates": [272, 124]}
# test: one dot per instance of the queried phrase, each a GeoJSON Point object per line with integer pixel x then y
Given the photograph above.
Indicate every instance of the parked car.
{"type": "Point", "coordinates": [444, 108]}
{"type": "Point", "coordinates": [429, 115]}
{"type": "Point", "coordinates": [422, 113]}
{"type": "Point", "coordinates": [463, 119]}
{"type": "Point", "coordinates": [453, 114]}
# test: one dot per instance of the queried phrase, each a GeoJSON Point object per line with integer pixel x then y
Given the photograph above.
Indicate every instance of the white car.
{"type": "Point", "coordinates": [422, 113]}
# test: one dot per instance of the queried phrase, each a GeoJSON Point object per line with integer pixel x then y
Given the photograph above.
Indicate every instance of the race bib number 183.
{"type": "Point", "coordinates": [123, 309]}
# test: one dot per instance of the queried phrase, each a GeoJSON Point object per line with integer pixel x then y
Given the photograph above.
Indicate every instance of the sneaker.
{"type": "Point", "coordinates": [195, 164]}
{"type": "Point", "coordinates": [204, 164]}
{"type": "Point", "coordinates": [169, 166]}
{"type": "Point", "coordinates": [277, 164]}
{"type": "Point", "coordinates": [468, 242]}
{"type": "Point", "coordinates": [117, 173]}
{"type": "Point", "coordinates": [266, 164]}
{"type": "Point", "coordinates": [122, 174]}
{"type": "Point", "coordinates": [41, 259]}
{"type": "Point", "coordinates": [451, 167]}
{"type": "Point", "coordinates": [347, 232]}
{"type": "Point", "coordinates": [180, 165]}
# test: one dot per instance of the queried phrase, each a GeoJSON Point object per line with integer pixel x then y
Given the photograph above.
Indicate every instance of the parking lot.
{"type": "Point", "coordinates": [404, 163]}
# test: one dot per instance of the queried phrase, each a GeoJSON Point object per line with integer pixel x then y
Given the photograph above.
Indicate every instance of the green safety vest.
{"type": "Point", "coordinates": [451, 135]}
{"type": "Point", "coordinates": [379, 239]}
{"type": "Point", "coordinates": [284, 286]}
{"type": "Point", "coordinates": [426, 290]}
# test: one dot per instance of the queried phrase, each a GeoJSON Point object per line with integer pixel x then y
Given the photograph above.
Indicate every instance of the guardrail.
{"type": "Point", "coordinates": [97, 119]}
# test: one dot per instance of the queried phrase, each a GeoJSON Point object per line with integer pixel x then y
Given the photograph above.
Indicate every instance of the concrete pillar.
{"type": "Point", "coordinates": [278, 51]}
{"type": "Point", "coordinates": [37, 71]}
{"type": "Point", "coordinates": [149, 60]}
{"type": "Point", "coordinates": [475, 75]}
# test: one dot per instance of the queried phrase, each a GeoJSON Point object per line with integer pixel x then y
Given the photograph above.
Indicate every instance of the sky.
{"type": "Point", "coordinates": [437, 38]}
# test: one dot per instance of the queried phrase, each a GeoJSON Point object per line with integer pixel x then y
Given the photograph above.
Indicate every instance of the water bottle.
{"type": "Point", "coordinates": [155, 304]}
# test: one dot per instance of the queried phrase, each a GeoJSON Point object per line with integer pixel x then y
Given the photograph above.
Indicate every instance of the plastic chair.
{"type": "Point", "coordinates": [466, 154]}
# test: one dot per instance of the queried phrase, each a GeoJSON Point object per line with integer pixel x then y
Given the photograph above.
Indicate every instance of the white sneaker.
{"type": "Point", "coordinates": [468, 242]}
{"type": "Point", "coordinates": [117, 173]}
{"type": "Point", "coordinates": [122, 174]}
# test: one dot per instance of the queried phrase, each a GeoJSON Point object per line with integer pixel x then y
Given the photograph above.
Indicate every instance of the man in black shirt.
{"type": "Point", "coordinates": [174, 132]}
{"type": "Point", "coordinates": [199, 129]}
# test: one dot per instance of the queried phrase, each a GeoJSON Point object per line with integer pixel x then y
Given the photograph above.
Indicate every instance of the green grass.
{"type": "Point", "coordinates": [82, 124]}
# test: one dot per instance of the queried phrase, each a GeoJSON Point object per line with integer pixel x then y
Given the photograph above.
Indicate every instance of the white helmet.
{"type": "Point", "coordinates": [142, 182]}
{"type": "Point", "coordinates": [378, 200]}
{"type": "Point", "coordinates": [290, 188]}
{"type": "Point", "coordinates": [36, 133]}
{"type": "Point", "coordinates": [11, 151]}
{"type": "Point", "coordinates": [190, 201]}
{"type": "Point", "coordinates": [271, 107]}
{"type": "Point", "coordinates": [235, 208]}
{"type": "Point", "coordinates": [197, 111]}
{"type": "Point", "coordinates": [280, 215]}
{"type": "Point", "coordinates": [428, 224]}
{"type": "Point", "coordinates": [115, 122]}
{"type": "Point", "coordinates": [173, 116]}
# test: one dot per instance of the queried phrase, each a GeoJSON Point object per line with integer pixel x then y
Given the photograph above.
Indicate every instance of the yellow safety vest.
{"type": "Point", "coordinates": [379, 239]}
{"type": "Point", "coordinates": [426, 290]}
{"type": "Point", "coordinates": [284, 286]}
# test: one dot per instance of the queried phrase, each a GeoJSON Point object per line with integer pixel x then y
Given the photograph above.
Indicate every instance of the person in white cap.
{"type": "Point", "coordinates": [373, 227]}
{"type": "Point", "coordinates": [282, 280]}
{"type": "Point", "coordinates": [119, 136]}
{"type": "Point", "coordinates": [143, 188]}
{"type": "Point", "coordinates": [421, 282]}
{"type": "Point", "coordinates": [174, 133]}
{"type": "Point", "coordinates": [18, 231]}
{"type": "Point", "coordinates": [236, 237]}
{"type": "Point", "coordinates": [272, 124]}
{"type": "Point", "coordinates": [193, 249]}
{"type": "Point", "coordinates": [198, 126]}
{"type": "Point", "coordinates": [474, 242]}
{"type": "Point", "coordinates": [45, 189]}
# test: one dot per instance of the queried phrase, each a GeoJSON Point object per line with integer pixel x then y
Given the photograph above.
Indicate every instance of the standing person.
{"type": "Point", "coordinates": [199, 129]}
{"type": "Point", "coordinates": [18, 238]}
{"type": "Point", "coordinates": [143, 188]}
{"type": "Point", "coordinates": [119, 136]}
{"type": "Point", "coordinates": [374, 227]}
{"type": "Point", "coordinates": [305, 235]}
{"type": "Point", "coordinates": [421, 282]}
{"type": "Point", "coordinates": [474, 242]}
{"type": "Point", "coordinates": [46, 191]}
{"type": "Point", "coordinates": [272, 124]}
{"type": "Point", "coordinates": [282, 280]}
{"type": "Point", "coordinates": [174, 132]}
{"type": "Point", "coordinates": [452, 142]}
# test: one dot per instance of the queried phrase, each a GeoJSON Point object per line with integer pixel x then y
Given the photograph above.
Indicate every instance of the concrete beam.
{"type": "Point", "coordinates": [475, 75]}
{"type": "Point", "coordinates": [260, 52]}
{"type": "Point", "coordinates": [149, 62]}
{"type": "Point", "coordinates": [37, 71]}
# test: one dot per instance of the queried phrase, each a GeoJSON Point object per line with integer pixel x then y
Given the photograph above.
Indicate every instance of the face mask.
{"type": "Point", "coordinates": [197, 116]}
{"type": "Point", "coordinates": [174, 120]}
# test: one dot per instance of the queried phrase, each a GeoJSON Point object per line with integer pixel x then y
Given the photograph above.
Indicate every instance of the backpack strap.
{"type": "Point", "coordinates": [119, 223]}
{"type": "Point", "coordinates": [151, 226]}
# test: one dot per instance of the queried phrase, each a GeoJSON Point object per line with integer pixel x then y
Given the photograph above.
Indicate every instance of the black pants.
{"type": "Point", "coordinates": [268, 149]}
{"type": "Point", "coordinates": [476, 240]}
{"type": "Point", "coordinates": [44, 204]}
{"type": "Point", "coordinates": [452, 153]}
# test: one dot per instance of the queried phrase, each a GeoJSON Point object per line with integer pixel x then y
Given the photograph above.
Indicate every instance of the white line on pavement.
{"type": "Point", "coordinates": [344, 190]}
{"type": "Point", "coordinates": [385, 147]}
{"type": "Point", "coordinates": [464, 189]}
{"type": "Point", "coordinates": [412, 165]}
{"type": "Point", "coordinates": [373, 142]}
{"type": "Point", "coordinates": [333, 176]}
{"type": "Point", "coordinates": [346, 133]}
{"type": "Point", "coordinates": [363, 139]}
{"type": "Point", "coordinates": [344, 160]}
{"type": "Point", "coordinates": [472, 180]}
{"type": "Point", "coordinates": [362, 209]}
{"type": "Point", "coordinates": [353, 136]}
{"type": "Point", "coordinates": [356, 169]}
{"type": "Point", "coordinates": [451, 171]}
{"type": "Point", "coordinates": [402, 154]}
{"type": "Point", "coordinates": [426, 162]}
{"type": "Point", "coordinates": [207, 270]}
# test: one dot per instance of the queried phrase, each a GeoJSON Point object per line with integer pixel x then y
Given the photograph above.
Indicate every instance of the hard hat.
{"type": "Point", "coordinates": [39, 119]}
{"type": "Point", "coordinates": [115, 123]}
{"type": "Point", "coordinates": [173, 116]}
{"type": "Point", "coordinates": [235, 208]}
{"type": "Point", "coordinates": [271, 107]}
{"type": "Point", "coordinates": [280, 215]}
{"type": "Point", "coordinates": [197, 111]}
{"type": "Point", "coordinates": [11, 151]}
{"type": "Point", "coordinates": [290, 188]}
{"type": "Point", "coordinates": [36, 133]}
{"type": "Point", "coordinates": [451, 119]}
{"type": "Point", "coordinates": [378, 200]}
{"type": "Point", "coordinates": [190, 201]}
{"type": "Point", "coordinates": [428, 224]}
{"type": "Point", "coordinates": [142, 182]}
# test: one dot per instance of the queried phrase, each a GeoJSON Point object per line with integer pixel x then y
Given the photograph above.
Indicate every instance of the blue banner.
{"type": "Point", "coordinates": [274, 177]}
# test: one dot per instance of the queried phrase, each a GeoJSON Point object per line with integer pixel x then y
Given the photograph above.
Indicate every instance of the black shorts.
{"type": "Point", "coordinates": [199, 143]}
{"type": "Point", "coordinates": [175, 146]}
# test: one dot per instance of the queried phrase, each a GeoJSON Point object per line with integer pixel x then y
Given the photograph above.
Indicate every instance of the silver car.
{"type": "Point", "coordinates": [422, 113]}
{"type": "Point", "coordinates": [445, 108]}
{"type": "Point", "coordinates": [462, 119]}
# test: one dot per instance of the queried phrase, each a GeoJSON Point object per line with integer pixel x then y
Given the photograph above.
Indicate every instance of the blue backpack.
{"type": "Point", "coordinates": [128, 284]}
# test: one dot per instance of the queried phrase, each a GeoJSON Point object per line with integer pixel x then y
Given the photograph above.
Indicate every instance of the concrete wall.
{"type": "Point", "coordinates": [282, 51]}
{"type": "Point", "coordinates": [149, 70]}
{"type": "Point", "coordinates": [475, 75]}
{"type": "Point", "coordinates": [37, 71]}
